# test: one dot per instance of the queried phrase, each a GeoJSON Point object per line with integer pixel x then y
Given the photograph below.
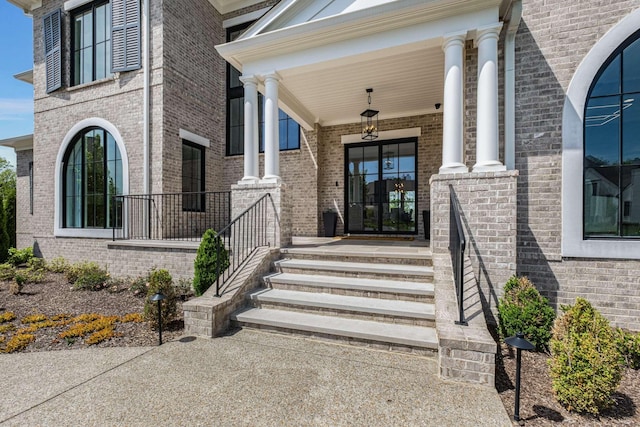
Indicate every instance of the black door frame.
{"type": "Point", "coordinates": [380, 145]}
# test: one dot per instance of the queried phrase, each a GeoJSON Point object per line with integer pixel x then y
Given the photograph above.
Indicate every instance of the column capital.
{"type": "Point", "coordinates": [249, 80]}
{"type": "Point", "coordinates": [452, 39]}
{"type": "Point", "coordinates": [488, 32]}
{"type": "Point", "coordinates": [272, 76]}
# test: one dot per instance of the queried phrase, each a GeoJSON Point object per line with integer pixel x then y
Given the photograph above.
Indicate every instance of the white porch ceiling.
{"type": "Point", "coordinates": [404, 84]}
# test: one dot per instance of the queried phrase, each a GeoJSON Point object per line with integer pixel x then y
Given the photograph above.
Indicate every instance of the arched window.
{"type": "Point", "coordinates": [92, 175]}
{"type": "Point", "coordinates": [611, 191]}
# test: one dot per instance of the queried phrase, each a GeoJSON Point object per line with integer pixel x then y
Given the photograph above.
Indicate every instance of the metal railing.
{"type": "Point", "coordinates": [170, 216]}
{"type": "Point", "coordinates": [457, 244]}
{"type": "Point", "coordinates": [242, 237]}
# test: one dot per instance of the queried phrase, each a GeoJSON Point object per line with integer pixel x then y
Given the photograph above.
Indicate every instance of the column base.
{"type": "Point", "coordinates": [270, 179]}
{"type": "Point", "coordinates": [489, 166]}
{"type": "Point", "coordinates": [453, 168]}
{"type": "Point", "coordinates": [248, 180]}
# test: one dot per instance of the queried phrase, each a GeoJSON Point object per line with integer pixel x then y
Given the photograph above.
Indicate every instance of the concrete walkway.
{"type": "Point", "coordinates": [250, 378]}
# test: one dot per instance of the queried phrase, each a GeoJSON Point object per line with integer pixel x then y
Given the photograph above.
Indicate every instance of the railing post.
{"type": "Point", "coordinates": [218, 265]}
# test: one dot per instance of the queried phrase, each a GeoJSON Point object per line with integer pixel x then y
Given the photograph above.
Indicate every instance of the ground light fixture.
{"type": "Point", "coordinates": [159, 296]}
{"type": "Point", "coordinates": [369, 120]}
{"type": "Point", "coordinates": [519, 343]}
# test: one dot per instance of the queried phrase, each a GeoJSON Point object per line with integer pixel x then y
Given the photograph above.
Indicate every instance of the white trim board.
{"type": "Point", "coordinates": [247, 17]}
{"type": "Point", "coordinates": [196, 139]}
{"type": "Point", "coordinates": [383, 135]}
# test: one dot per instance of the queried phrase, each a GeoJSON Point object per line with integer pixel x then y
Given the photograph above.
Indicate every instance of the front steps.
{"type": "Point", "coordinates": [364, 295]}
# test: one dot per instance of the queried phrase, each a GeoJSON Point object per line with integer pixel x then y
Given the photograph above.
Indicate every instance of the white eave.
{"type": "Point", "coordinates": [25, 76]}
{"type": "Point", "coordinates": [226, 6]}
{"type": "Point", "coordinates": [18, 143]}
{"type": "Point", "coordinates": [27, 5]}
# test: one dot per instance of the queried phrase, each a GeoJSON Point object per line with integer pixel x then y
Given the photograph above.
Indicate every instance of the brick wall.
{"type": "Point", "coordinates": [24, 218]}
{"type": "Point", "coordinates": [553, 38]}
{"type": "Point", "coordinates": [488, 213]}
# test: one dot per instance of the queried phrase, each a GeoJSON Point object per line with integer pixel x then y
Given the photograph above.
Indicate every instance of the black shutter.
{"type": "Point", "coordinates": [52, 51]}
{"type": "Point", "coordinates": [125, 35]}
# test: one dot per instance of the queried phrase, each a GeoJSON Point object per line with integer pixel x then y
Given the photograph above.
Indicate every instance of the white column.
{"type": "Point", "coordinates": [271, 128]}
{"type": "Point", "coordinates": [452, 130]}
{"type": "Point", "coordinates": [251, 148]}
{"type": "Point", "coordinates": [487, 117]}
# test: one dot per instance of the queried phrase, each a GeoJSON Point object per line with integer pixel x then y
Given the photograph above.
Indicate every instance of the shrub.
{"type": "Point", "coordinates": [36, 264]}
{"type": "Point", "coordinates": [585, 365]}
{"type": "Point", "coordinates": [160, 281]}
{"type": "Point", "coordinates": [184, 288]}
{"type": "Point", "coordinates": [20, 256]}
{"type": "Point", "coordinates": [18, 342]}
{"type": "Point", "coordinates": [87, 276]}
{"type": "Point", "coordinates": [206, 263]}
{"type": "Point", "coordinates": [628, 344]}
{"type": "Point", "coordinates": [18, 282]}
{"type": "Point", "coordinates": [523, 309]}
{"type": "Point", "coordinates": [7, 271]}
{"type": "Point", "coordinates": [58, 265]}
{"type": "Point", "coordinates": [5, 241]}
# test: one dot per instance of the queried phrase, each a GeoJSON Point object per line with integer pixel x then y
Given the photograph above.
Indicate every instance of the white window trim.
{"type": "Point", "coordinates": [192, 137]}
{"type": "Point", "coordinates": [58, 230]}
{"type": "Point", "coordinates": [383, 135]}
{"type": "Point", "coordinates": [573, 243]}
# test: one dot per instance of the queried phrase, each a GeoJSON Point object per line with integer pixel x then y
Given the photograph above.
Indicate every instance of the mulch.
{"type": "Point", "coordinates": [538, 406]}
{"type": "Point", "coordinates": [55, 296]}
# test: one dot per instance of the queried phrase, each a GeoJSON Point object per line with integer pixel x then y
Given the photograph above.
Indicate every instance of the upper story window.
{"type": "Point", "coordinates": [92, 174]}
{"type": "Point", "coordinates": [91, 43]}
{"type": "Point", "coordinates": [289, 130]}
{"type": "Point", "coordinates": [612, 147]}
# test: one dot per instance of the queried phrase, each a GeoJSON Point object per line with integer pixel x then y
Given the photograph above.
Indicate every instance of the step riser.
{"type": "Point", "coordinates": [419, 351]}
{"type": "Point", "coordinates": [350, 292]}
{"type": "Point", "coordinates": [399, 320]}
{"type": "Point", "coordinates": [365, 259]}
{"type": "Point", "coordinates": [360, 275]}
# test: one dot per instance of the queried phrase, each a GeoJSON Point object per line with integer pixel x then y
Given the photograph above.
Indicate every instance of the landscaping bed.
{"type": "Point", "coordinates": [54, 296]}
{"type": "Point", "coordinates": [538, 406]}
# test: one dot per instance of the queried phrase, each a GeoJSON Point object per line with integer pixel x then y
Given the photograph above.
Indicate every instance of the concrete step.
{"type": "Point", "coordinates": [380, 310]}
{"type": "Point", "coordinates": [418, 256]}
{"type": "Point", "coordinates": [352, 286]}
{"type": "Point", "coordinates": [371, 270]}
{"type": "Point", "coordinates": [387, 334]}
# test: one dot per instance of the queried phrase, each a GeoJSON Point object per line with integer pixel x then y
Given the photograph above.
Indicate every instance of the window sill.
{"type": "Point", "coordinates": [96, 233]}
{"type": "Point", "coordinates": [284, 152]}
{"type": "Point", "coordinates": [113, 78]}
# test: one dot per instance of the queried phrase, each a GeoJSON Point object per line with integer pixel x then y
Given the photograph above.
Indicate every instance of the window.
{"type": "Point", "coordinates": [91, 43]}
{"type": "Point", "coordinates": [92, 175]}
{"type": "Point", "coordinates": [192, 177]}
{"type": "Point", "coordinates": [612, 147]}
{"type": "Point", "coordinates": [289, 130]}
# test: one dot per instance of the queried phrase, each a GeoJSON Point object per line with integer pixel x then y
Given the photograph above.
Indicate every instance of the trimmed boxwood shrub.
{"type": "Point", "coordinates": [586, 366]}
{"type": "Point", "coordinates": [523, 309]}
{"type": "Point", "coordinates": [205, 265]}
{"type": "Point", "coordinates": [87, 276]}
{"type": "Point", "coordinates": [160, 281]}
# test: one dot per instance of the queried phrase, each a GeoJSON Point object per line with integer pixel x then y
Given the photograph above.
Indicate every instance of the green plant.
{"type": "Point", "coordinates": [207, 262]}
{"type": "Point", "coordinates": [184, 287]}
{"type": "Point", "coordinates": [87, 276]}
{"type": "Point", "coordinates": [586, 366]}
{"type": "Point", "coordinates": [18, 282]}
{"type": "Point", "coordinates": [5, 241]}
{"type": "Point", "coordinates": [523, 309]}
{"type": "Point", "coordinates": [628, 344]}
{"type": "Point", "coordinates": [7, 271]}
{"type": "Point", "coordinates": [36, 264]}
{"type": "Point", "coordinates": [57, 265]}
{"type": "Point", "coordinates": [160, 281]}
{"type": "Point", "coordinates": [20, 256]}
{"type": "Point", "coordinates": [139, 285]}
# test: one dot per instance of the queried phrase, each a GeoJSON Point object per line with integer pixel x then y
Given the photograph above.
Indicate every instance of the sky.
{"type": "Point", "coordinates": [16, 55]}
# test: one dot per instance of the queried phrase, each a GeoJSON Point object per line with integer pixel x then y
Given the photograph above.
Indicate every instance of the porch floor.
{"type": "Point", "coordinates": [350, 246]}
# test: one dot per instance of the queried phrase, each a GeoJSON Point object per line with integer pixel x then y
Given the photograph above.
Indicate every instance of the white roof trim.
{"type": "Point", "coordinates": [226, 6]}
{"type": "Point", "coordinates": [72, 4]}
{"type": "Point", "coordinates": [247, 17]}
{"type": "Point", "coordinates": [26, 5]}
{"type": "Point", "coordinates": [196, 139]}
{"type": "Point", "coordinates": [18, 143]}
{"type": "Point", "coordinates": [384, 135]}
{"type": "Point", "coordinates": [25, 76]}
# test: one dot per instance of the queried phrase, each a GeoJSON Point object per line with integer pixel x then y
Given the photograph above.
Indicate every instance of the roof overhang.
{"type": "Point", "coordinates": [27, 5]}
{"type": "Point", "coordinates": [25, 76]}
{"type": "Point", "coordinates": [18, 143]}
{"type": "Point", "coordinates": [226, 6]}
{"type": "Point", "coordinates": [394, 47]}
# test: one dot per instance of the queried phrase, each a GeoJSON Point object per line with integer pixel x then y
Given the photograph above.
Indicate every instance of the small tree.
{"type": "Point", "coordinates": [5, 242]}
{"type": "Point", "coordinates": [206, 263]}
{"type": "Point", "coordinates": [160, 281]}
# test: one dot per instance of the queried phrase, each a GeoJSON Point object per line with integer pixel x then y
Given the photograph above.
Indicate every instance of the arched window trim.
{"type": "Point", "coordinates": [573, 242]}
{"type": "Point", "coordinates": [69, 138]}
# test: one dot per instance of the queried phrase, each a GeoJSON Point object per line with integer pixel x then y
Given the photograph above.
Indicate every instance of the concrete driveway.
{"type": "Point", "coordinates": [250, 378]}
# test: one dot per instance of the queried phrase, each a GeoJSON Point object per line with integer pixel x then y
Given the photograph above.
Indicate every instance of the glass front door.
{"type": "Point", "coordinates": [380, 188]}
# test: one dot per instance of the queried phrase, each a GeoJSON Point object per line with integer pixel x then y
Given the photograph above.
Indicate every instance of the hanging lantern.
{"type": "Point", "coordinates": [369, 120]}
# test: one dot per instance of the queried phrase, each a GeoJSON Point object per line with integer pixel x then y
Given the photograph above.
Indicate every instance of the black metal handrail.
{"type": "Point", "coordinates": [457, 244]}
{"type": "Point", "coordinates": [242, 237]}
{"type": "Point", "coordinates": [170, 216]}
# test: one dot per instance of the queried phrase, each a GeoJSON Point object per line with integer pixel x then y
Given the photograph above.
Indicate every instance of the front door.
{"type": "Point", "coordinates": [380, 190]}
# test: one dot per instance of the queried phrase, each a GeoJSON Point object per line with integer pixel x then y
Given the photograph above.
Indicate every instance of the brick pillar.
{"type": "Point", "coordinates": [278, 210]}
